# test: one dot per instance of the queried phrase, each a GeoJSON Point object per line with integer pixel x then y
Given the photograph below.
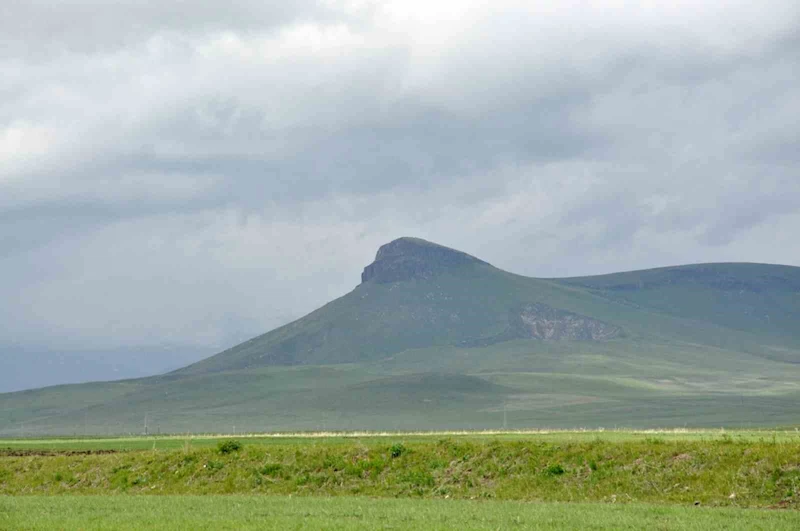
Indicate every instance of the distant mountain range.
{"type": "Point", "coordinates": [26, 367]}
{"type": "Point", "coordinates": [435, 338]}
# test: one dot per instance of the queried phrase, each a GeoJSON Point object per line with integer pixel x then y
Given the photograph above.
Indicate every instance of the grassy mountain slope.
{"type": "Point", "coordinates": [434, 338]}
{"type": "Point", "coordinates": [757, 298]}
{"type": "Point", "coordinates": [464, 306]}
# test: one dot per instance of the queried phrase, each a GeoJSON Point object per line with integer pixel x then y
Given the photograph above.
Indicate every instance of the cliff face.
{"type": "Point", "coordinates": [412, 258]}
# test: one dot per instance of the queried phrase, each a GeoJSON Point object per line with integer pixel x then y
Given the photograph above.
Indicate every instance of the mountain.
{"type": "Point", "coordinates": [436, 338]}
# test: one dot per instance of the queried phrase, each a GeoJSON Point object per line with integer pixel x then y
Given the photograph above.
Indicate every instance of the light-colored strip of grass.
{"type": "Point", "coordinates": [544, 435]}
{"type": "Point", "coordinates": [285, 512]}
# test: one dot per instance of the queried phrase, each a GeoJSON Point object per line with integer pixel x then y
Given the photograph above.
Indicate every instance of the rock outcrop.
{"type": "Point", "coordinates": [413, 258]}
{"type": "Point", "coordinates": [539, 321]}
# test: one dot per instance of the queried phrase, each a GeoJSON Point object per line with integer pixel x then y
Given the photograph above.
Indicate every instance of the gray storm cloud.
{"type": "Point", "coordinates": [193, 174]}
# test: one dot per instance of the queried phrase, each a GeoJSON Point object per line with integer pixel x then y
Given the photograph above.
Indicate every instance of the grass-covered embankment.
{"type": "Point", "coordinates": [283, 512]}
{"type": "Point", "coordinates": [720, 473]}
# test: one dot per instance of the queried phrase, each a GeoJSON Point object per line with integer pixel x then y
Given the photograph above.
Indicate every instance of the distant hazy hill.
{"type": "Point", "coordinates": [26, 367]}
{"type": "Point", "coordinates": [435, 338]}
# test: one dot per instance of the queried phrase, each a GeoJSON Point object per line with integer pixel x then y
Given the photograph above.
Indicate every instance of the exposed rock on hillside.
{"type": "Point", "coordinates": [412, 258]}
{"type": "Point", "coordinates": [539, 321]}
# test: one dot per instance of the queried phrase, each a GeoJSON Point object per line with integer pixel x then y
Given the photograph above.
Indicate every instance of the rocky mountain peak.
{"type": "Point", "coordinates": [413, 258]}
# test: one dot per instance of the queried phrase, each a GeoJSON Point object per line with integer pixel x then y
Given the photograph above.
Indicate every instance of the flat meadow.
{"type": "Point", "coordinates": [351, 513]}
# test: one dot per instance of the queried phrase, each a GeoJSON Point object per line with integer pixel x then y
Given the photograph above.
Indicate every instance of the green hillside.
{"type": "Point", "coordinates": [434, 338]}
{"type": "Point", "coordinates": [757, 298]}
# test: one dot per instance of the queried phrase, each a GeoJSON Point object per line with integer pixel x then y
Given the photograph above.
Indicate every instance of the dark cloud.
{"type": "Point", "coordinates": [191, 174]}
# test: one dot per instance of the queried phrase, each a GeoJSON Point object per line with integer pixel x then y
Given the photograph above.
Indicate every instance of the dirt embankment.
{"type": "Point", "coordinates": [24, 452]}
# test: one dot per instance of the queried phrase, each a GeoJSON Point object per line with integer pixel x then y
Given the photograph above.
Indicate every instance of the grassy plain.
{"type": "Point", "coordinates": [787, 434]}
{"type": "Point", "coordinates": [287, 512]}
{"type": "Point", "coordinates": [597, 387]}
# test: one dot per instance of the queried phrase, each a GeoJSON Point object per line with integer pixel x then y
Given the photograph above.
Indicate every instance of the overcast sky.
{"type": "Point", "coordinates": [191, 174]}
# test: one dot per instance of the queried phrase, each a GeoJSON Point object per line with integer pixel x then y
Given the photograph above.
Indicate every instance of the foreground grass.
{"type": "Point", "coordinates": [283, 512]}
{"type": "Point", "coordinates": [165, 442]}
{"type": "Point", "coordinates": [725, 472]}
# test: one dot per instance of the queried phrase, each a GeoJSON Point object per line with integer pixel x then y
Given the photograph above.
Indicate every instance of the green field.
{"type": "Point", "coordinates": [285, 512]}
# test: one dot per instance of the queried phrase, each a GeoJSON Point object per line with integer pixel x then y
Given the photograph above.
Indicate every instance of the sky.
{"type": "Point", "coordinates": [181, 176]}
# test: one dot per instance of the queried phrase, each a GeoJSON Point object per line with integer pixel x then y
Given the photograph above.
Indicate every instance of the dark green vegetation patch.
{"type": "Point", "coordinates": [229, 446]}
